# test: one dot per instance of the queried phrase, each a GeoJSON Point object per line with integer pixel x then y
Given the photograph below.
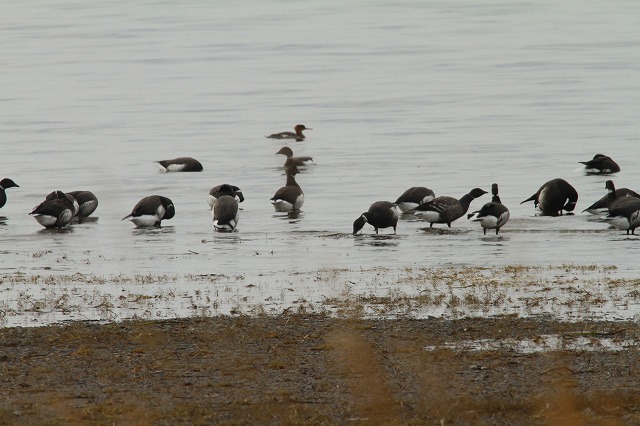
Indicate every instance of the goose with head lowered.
{"type": "Point", "coordinates": [225, 210]}
{"type": "Point", "coordinates": [381, 214]}
{"type": "Point", "coordinates": [602, 205]}
{"type": "Point", "coordinates": [180, 164]}
{"type": "Point", "coordinates": [294, 161]}
{"type": "Point", "coordinates": [624, 214]}
{"type": "Point", "coordinates": [413, 197]}
{"type": "Point", "coordinates": [600, 164]}
{"type": "Point", "coordinates": [4, 184]}
{"type": "Point", "coordinates": [290, 197]}
{"type": "Point", "coordinates": [56, 211]}
{"type": "Point", "coordinates": [87, 203]}
{"type": "Point", "coordinates": [151, 211]}
{"type": "Point", "coordinates": [492, 215]}
{"type": "Point", "coordinates": [553, 197]}
{"type": "Point", "coordinates": [217, 192]}
{"type": "Point", "coordinates": [446, 209]}
{"type": "Point", "coordinates": [298, 135]}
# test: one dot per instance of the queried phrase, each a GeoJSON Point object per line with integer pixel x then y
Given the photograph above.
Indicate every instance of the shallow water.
{"type": "Point", "coordinates": [438, 95]}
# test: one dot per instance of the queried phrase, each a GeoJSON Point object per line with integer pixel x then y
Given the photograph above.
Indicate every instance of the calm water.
{"type": "Point", "coordinates": [448, 96]}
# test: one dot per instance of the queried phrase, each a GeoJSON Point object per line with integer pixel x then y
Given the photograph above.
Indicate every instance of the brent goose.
{"type": "Point", "coordinates": [602, 205]}
{"type": "Point", "coordinates": [554, 196]}
{"type": "Point", "coordinates": [600, 165]}
{"type": "Point", "coordinates": [151, 210]}
{"type": "Point", "coordinates": [492, 215]}
{"type": "Point", "coordinates": [181, 164]}
{"type": "Point", "coordinates": [445, 209]}
{"type": "Point", "coordinates": [298, 136]}
{"type": "Point", "coordinates": [294, 161]}
{"type": "Point", "coordinates": [624, 214]}
{"type": "Point", "coordinates": [4, 184]}
{"type": "Point", "coordinates": [413, 197]}
{"type": "Point", "coordinates": [56, 211]}
{"type": "Point", "coordinates": [225, 210]}
{"type": "Point", "coordinates": [87, 202]}
{"type": "Point", "coordinates": [381, 214]}
{"type": "Point", "coordinates": [290, 197]}
{"type": "Point", "coordinates": [216, 192]}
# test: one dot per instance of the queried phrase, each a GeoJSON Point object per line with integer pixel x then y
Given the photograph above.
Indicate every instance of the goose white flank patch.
{"type": "Point", "coordinates": [298, 136]}
{"type": "Point", "coordinates": [4, 184]}
{"type": "Point", "coordinates": [492, 215]}
{"type": "Point", "coordinates": [414, 197]}
{"type": "Point", "coordinates": [56, 211]}
{"type": "Point", "coordinates": [381, 214]}
{"type": "Point", "coordinates": [446, 209]}
{"type": "Point", "coordinates": [180, 164]}
{"type": "Point", "coordinates": [553, 197]}
{"type": "Point", "coordinates": [290, 197]}
{"type": "Point", "coordinates": [294, 161]}
{"type": "Point", "coordinates": [216, 192]}
{"type": "Point", "coordinates": [600, 164]}
{"type": "Point", "coordinates": [151, 210]}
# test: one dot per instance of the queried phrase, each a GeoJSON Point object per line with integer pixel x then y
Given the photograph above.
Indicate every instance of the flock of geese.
{"type": "Point", "coordinates": [621, 207]}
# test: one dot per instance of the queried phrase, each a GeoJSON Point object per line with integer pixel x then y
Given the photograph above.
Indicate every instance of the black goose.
{"type": "Point", "coordinates": [413, 197]}
{"type": "Point", "coordinates": [600, 165]}
{"type": "Point", "coordinates": [216, 192]}
{"type": "Point", "coordinates": [624, 214]}
{"type": "Point", "coordinates": [492, 215]}
{"type": "Point", "coordinates": [181, 164]}
{"type": "Point", "coordinates": [602, 205]}
{"type": "Point", "coordinates": [290, 197]}
{"type": "Point", "coordinates": [553, 197]}
{"type": "Point", "coordinates": [151, 210]}
{"type": "Point", "coordinates": [4, 184]}
{"type": "Point", "coordinates": [56, 211]}
{"type": "Point", "coordinates": [294, 161]}
{"type": "Point", "coordinates": [381, 214]}
{"type": "Point", "coordinates": [446, 209]}
{"type": "Point", "coordinates": [87, 202]}
{"type": "Point", "coordinates": [298, 136]}
{"type": "Point", "coordinates": [225, 210]}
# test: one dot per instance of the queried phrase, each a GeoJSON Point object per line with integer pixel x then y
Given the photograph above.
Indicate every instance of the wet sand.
{"type": "Point", "coordinates": [313, 369]}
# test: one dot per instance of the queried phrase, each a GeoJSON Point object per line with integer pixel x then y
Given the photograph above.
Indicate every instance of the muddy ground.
{"type": "Point", "coordinates": [301, 369]}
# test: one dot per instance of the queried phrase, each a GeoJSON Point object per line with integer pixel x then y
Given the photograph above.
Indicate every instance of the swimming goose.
{"type": "Point", "coordinates": [413, 197]}
{"type": "Point", "coordinates": [225, 210]}
{"type": "Point", "coordinates": [602, 205]}
{"type": "Point", "coordinates": [56, 211]}
{"type": "Point", "coordinates": [4, 184]}
{"type": "Point", "coordinates": [600, 165]}
{"type": "Point", "coordinates": [446, 209]}
{"type": "Point", "coordinates": [381, 214]}
{"type": "Point", "coordinates": [553, 197]}
{"type": "Point", "coordinates": [624, 214]}
{"type": "Point", "coordinates": [181, 164]}
{"type": "Point", "coordinates": [290, 197]}
{"type": "Point", "coordinates": [151, 210]}
{"type": "Point", "coordinates": [294, 161]}
{"type": "Point", "coordinates": [215, 192]}
{"type": "Point", "coordinates": [492, 215]}
{"type": "Point", "coordinates": [298, 136]}
{"type": "Point", "coordinates": [87, 202]}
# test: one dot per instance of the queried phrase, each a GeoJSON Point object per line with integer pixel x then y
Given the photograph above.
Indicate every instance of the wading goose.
{"type": "Point", "coordinates": [151, 210]}
{"type": "Point", "coordinates": [225, 210]}
{"type": "Point", "coordinates": [624, 214]}
{"type": "Point", "coordinates": [553, 197]}
{"type": "Point", "coordinates": [446, 209]}
{"type": "Point", "coordinates": [298, 136]}
{"type": "Point", "coordinates": [87, 202]}
{"type": "Point", "coordinates": [216, 192]}
{"type": "Point", "coordinates": [294, 161]}
{"type": "Point", "coordinates": [290, 197]}
{"type": "Point", "coordinates": [181, 164]}
{"type": "Point", "coordinates": [413, 197]}
{"type": "Point", "coordinates": [602, 205]}
{"type": "Point", "coordinates": [600, 165]}
{"type": "Point", "coordinates": [381, 214]}
{"type": "Point", "coordinates": [56, 211]}
{"type": "Point", "coordinates": [492, 215]}
{"type": "Point", "coordinates": [4, 184]}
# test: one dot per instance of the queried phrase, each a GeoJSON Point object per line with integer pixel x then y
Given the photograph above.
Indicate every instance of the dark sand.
{"type": "Point", "coordinates": [299, 369]}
